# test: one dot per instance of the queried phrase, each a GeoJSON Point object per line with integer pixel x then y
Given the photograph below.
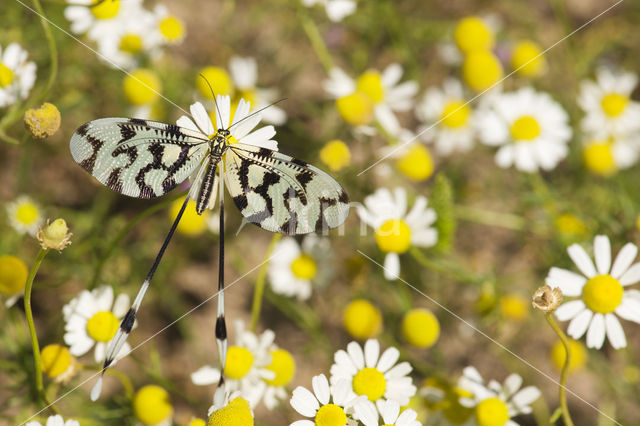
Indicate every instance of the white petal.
{"type": "Point", "coordinates": [357, 356]}
{"type": "Point", "coordinates": [624, 259]}
{"type": "Point", "coordinates": [121, 305]}
{"type": "Point", "coordinates": [512, 384]}
{"type": "Point", "coordinates": [629, 309]}
{"type": "Point", "coordinates": [303, 401]}
{"type": "Point", "coordinates": [596, 332]}
{"type": "Point", "coordinates": [205, 375]}
{"type": "Point", "coordinates": [392, 266]}
{"type": "Point", "coordinates": [320, 386]}
{"type": "Point", "coordinates": [388, 359]}
{"type": "Point", "coordinates": [568, 310]}
{"type": "Point", "coordinates": [579, 324]}
{"type": "Point", "coordinates": [303, 423]}
{"type": "Point", "coordinates": [366, 412]}
{"type": "Point", "coordinates": [615, 333]}
{"type": "Point", "coordinates": [371, 352]}
{"type": "Point", "coordinates": [201, 118]}
{"type": "Point", "coordinates": [399, 370]}
{"type": "Point", "coordinates": [569, 282]}
{"type": "Point", "coordinates": [632, 275]}
{"type": "Point", "coordinates": [187, 123]}
{"type": "Point", "coordinates": [525, 397]}
{"type": "Point", "coordinates": [602, 253]}
{"type": "Point", "coordinates": [582, 260]}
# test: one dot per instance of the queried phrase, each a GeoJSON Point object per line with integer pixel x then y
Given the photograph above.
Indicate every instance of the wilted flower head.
{"type": "Point", "coordinates": [44, 121]}
{"type": "Point", "coordinates": [547, 299]}
{"type": "Point", "coordinates": [55, 235]}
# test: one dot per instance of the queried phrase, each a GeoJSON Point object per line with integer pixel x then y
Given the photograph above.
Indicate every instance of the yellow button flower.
{"type": "Point", "coordinates": [362, 319]}
{"type": "Point", "coordinates": [598, 158]}
{"type": "Point", "coordinates": [191, 224]}
{"type": "Point", "coordinates": [472, 34]}
{"type": "Point", "coordinates": [416, 163]}
{"type": "Point", "coordinates": [239, 362]}
{"type": "Point", "coordinates": [151, 405]}
{"type": "Point", "coordinates": [579, 355]}
{"type": "Point", "coordinates": [283, 365]}
{"type": "Point", "coordinates": [514, 306]}
{"type": "Point", "coordinates": [44, 121]}
{"type": "Point", "coordinates": [142, 86]}
{"type": "Point", "coordinates": [105, 9]}
{"type": "Point", "coordinates": [528, 55]}
{"type": "Point", "coordinates": [57, 362]}
{"type": "Point", "coordinates": [370, 84]}
{"type": "Point", "coordinates": [481, 70]}
{"type": "Point", "coordinates": [218, 78]}
{"type": "Point", "coordinates": [420, 328]}
{"type": "Point", "coordinates": [236, 413]}
{"type": "Point", "coordinates": [335, 154]}
{"type": "Point", "coordinates": [356, 109]}
{"type": "Point", "coordinates": [13, 275]}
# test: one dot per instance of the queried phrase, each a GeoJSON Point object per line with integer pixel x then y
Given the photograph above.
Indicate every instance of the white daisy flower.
{"type": "Point", "coordinates": [389, 410]}
{"type": "Point", "coordinates": [373, 95]}
{"type": "Point", "coordinates": [295, 267]}
{"type": "Point", "coordinates": [169, 29]}
{"type": "Point", "coordinates": [395, 229]}
{"type": "Point", "coordinates": [103, 19]}
{"type": "Point", "coordinates": [494, 403]}
{"type": "Point", "coordinates": [530, 128]}
{"type": "Point", "coordinates": [608, 105]}
{"type": "Point", "coordinates": [373, 375]}
{"type": "Point", "coordinates": [244, 73]}
{"type": "Point", "coordinates": [337, 10]}
{"type": "Point", "coordinates": [222, 400]}
{"type": "Point", "coordinates": [447, 107]}
{"type": "Point", "coordinates": [601, 288]}
{"type": "Point", "coordinates": [327, 404]}
{"type": "Point", "coordinates": [24, 215]}
{"type": "Point", "coordinates": [17, 75]}
{"type": "Point", "coordinates": [93, 318]}
{"type": "Point", "coordinates": [605, 157]}
{"type": "Point", "coordinates": [56, 420]}
{"type": "Point", "coordinates": [245, 370]}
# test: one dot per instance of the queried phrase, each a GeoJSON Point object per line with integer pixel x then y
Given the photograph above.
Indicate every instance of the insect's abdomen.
{"type": "Point", "coordinates": [204, 194]}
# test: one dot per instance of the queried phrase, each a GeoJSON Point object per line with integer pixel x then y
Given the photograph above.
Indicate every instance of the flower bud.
{"type": "Point", "coordinates": [547, 299]}
{"type": "Point", "coordinates": [44, 121]}
{"type": "Point", "coordinates": [55, 235]}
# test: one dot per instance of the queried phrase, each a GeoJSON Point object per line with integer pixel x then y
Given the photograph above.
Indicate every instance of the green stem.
{"type": "Point", "coordinates": [454, 272]}
{"type": "Point", "coordinates": [490, 218]}
{"type": "Point", "coordinates": [258, 293]}
{"type": "Point", "coordinates": [53, 53]}
{"type": "Point", "coordinates": [9, 139]}
{"type": "Point", "coordinates": [316, 40]}
{"type": "Point", "coordinates": [124, 231]}
{"type": "Point", "coordinates": [565, 369]}
{"type": "Point", "coordinates": [32, 329]}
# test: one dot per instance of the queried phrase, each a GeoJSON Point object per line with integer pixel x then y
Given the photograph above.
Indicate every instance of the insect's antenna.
{"type": "Point", "coordinates": [215, 101]}
{"type": "Point", "coordinates": [258, 111]}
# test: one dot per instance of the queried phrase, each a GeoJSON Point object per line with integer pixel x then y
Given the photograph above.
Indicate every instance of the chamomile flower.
{"type": "Point", "coordinates": [169, 29]}
{"type": "Point", "coordinates": [327, 405]}
{"type": "Point", "coordinates": [246, 367]}
{"type": "Point", "coordinates": [284, 367]}
{"type": "Point", "coordinates": [337, 10]}
{"type": "Point", "coordinates": [244, 74]}
{"type": "Point", "coordinates": [100, 19]}
{"type": "Point", "coordinates": [412, 159]}
{"type": "Point", "coordinates": [92, 319]}
{"type": "Point", "coordinates": [374, 95]}
{"type": "Point", "coordinates": [609, 110]}
{"type": "Point", "coordinates": [389, 410]}
{"type": "Point", "coordinates": [395, 229]}
{"type": "Point", "coordinates": [601, 289]}
{"type": "Point", "coordinates": [447, 107]}
{"type": "Point", "coordinates": [17, 75]}
{"type": "Point", "coordinates": [495, 403]}
{"type": "Point", "coordinates": [230, 409]}
{"type": "Point", "coordinates": [530, 129]}
{"type": "Point", "coordinates": [13, 278]}
{"type": "Point", "coordinates": [373, 375]}
{"type": "Point", "coordinates": [24, 215]}
{"type": "Point", "coordinates": [56, 420]}
{"type": "Point", "coordinates": [152, 406]}
{"type": "Point", "coordinates": [296, 267]}
{"type": "Point", "coordinates": [605, 157]}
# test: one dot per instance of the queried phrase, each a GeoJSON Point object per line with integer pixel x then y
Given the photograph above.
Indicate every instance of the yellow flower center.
{"type": "Point", "coordinates": [44, 121]}
{"type": "Point", "coordinates": [171, 28]}
{"type": "Point", "coordinates": [239, 362]}
{"type": "Point", "coordinates": [614, 104]}
{"type": "Point", "coordinates": [219, 80]}
{"type": "Point", "coordinates": [56, 359]}
{"type": "Point", "coordinates": [236, 413]}
{"type": "Point", "coordinates": [473, 34]}
{"type": "Point", "coordinates": [370, 83]}
{"type": "Point", "coordinates": [6, 75]}
{"type": "Point", "coordinates": [197, 422]}
{"type": "Point", "coordinates": [455, 114]}
{"type": "Point", "coordinates": [578, 355]}
{"type": "Point", "coordinates": [361, 319]}
{"type": "Point", "coordinates": [598, 158]}
{"type": "Point", "coordinates": [142, 86]}
{"type": "Point", "coordinates": [331, 415]}
{"type": "Point", "coordinates": [481, 69]}
{"type": "Point", "coordinates": [283, 364]}
{"type": "Point", "coordinates": [602, 294]}
{"type": "Point", "coordinates": [570, 224]}
{"type": "Point", "coordinates": [370, 382]}
{"type": "Point", "coordinates": [525, 128]}
{"type": "Point", "coordinates": [102, 326]}
{"type": "Point", "coordinates": [304, 267]}
{"type": "Point", "coordinates": [356, 108]}
{"type": "Point", "coordinates": [27, 213]}
{"type": "Point", "coordinates": [151, 405]}
{"type": "Point", "coordinates": [420, 328]}
{"type": "Point", "coordinates": [393, 236]}
{"type": "Point", "coordinates": [335, 154]}
{"type": "Point", "coordinates": [492, 412]}
{"type": "Point", "coordinates": [191, 224]}
{"type": "Point", "coordinates": [13, 275]}
{"type": "Point", "coordinates": [416, 163]}
{"type": "Point", "coordinates": [526, 51]}
{"type": "Point", "coordinates": [105, 9]}
{"type": "Point", "coordinates": [514, 306]}
{"type": "Point", "coordinates": [131, 43]}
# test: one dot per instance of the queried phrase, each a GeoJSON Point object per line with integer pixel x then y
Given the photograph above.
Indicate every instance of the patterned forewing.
{"type": "Point", "coordinates": [138, 158]}
{"type": "Point", "coordinates": [282, 194]}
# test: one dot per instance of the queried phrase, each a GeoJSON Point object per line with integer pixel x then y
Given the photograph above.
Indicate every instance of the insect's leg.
{"type": "Point", "coordinates": [221, 327]}
{"type": "Point", "coordinates": [127, 322]}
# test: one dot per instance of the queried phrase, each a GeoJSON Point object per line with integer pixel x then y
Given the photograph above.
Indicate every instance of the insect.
{"type": "Point", "coordinates": [147, 159]}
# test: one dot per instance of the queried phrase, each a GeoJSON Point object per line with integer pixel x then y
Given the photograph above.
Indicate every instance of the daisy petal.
{"type": "Point", "coordinates": [320, 386]}
{"type": "Point", "coordinates": [602, 253]}
{"type": "Point", "coordinates": [569, 282]}
{"type": "Point", "coordinates": [304, 402]}
{"type": "Point", "coordinates": [632, 275]}
{"type": "Point", "coordinates": [388, 359]}
{"type": "Point", "coordinates": [582, 260]}
{"type": "Point", "coordinates": [355, 352]}
{"type": "Point", "coordinates": [371, 352]}
{"type": "Point", "coordinates": [569, 310]}
{"type": "Point", "coordinates": [624, 259]}
{"type": "Point", "coordinates": [392, 266]}
{"type": "Point", "coordinates": [205, 376]}
{"type": "Point", "coordinates": [596, 332]}
{"type": "Point", "coordinates": [525, 397]}
{"type": "Point", "coordinates": [615, 333]}
{"type": "Point", "coordinates": [579, 324]}
{"type": "Point", "coordinates": [629, 309]}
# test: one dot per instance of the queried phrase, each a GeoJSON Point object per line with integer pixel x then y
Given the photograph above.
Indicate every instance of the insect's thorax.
{"type": "Point", "coordinates": [218, 144]}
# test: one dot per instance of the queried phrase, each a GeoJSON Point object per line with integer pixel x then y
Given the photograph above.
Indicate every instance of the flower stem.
{"type": "Point", "coordinates": [565, 369]}
{"type": "Point", "coordinates": [316, 40]}
{"type": "Point", "coordinates": [258, 293]}
{"type": "Point", "coordinates": [32, 329]}
{"type": "Point", "coordinates": [53, 53]}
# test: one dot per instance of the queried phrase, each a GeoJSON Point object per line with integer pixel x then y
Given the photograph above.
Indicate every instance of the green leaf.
{"type": "Point", "coordinates": [442, 202]}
